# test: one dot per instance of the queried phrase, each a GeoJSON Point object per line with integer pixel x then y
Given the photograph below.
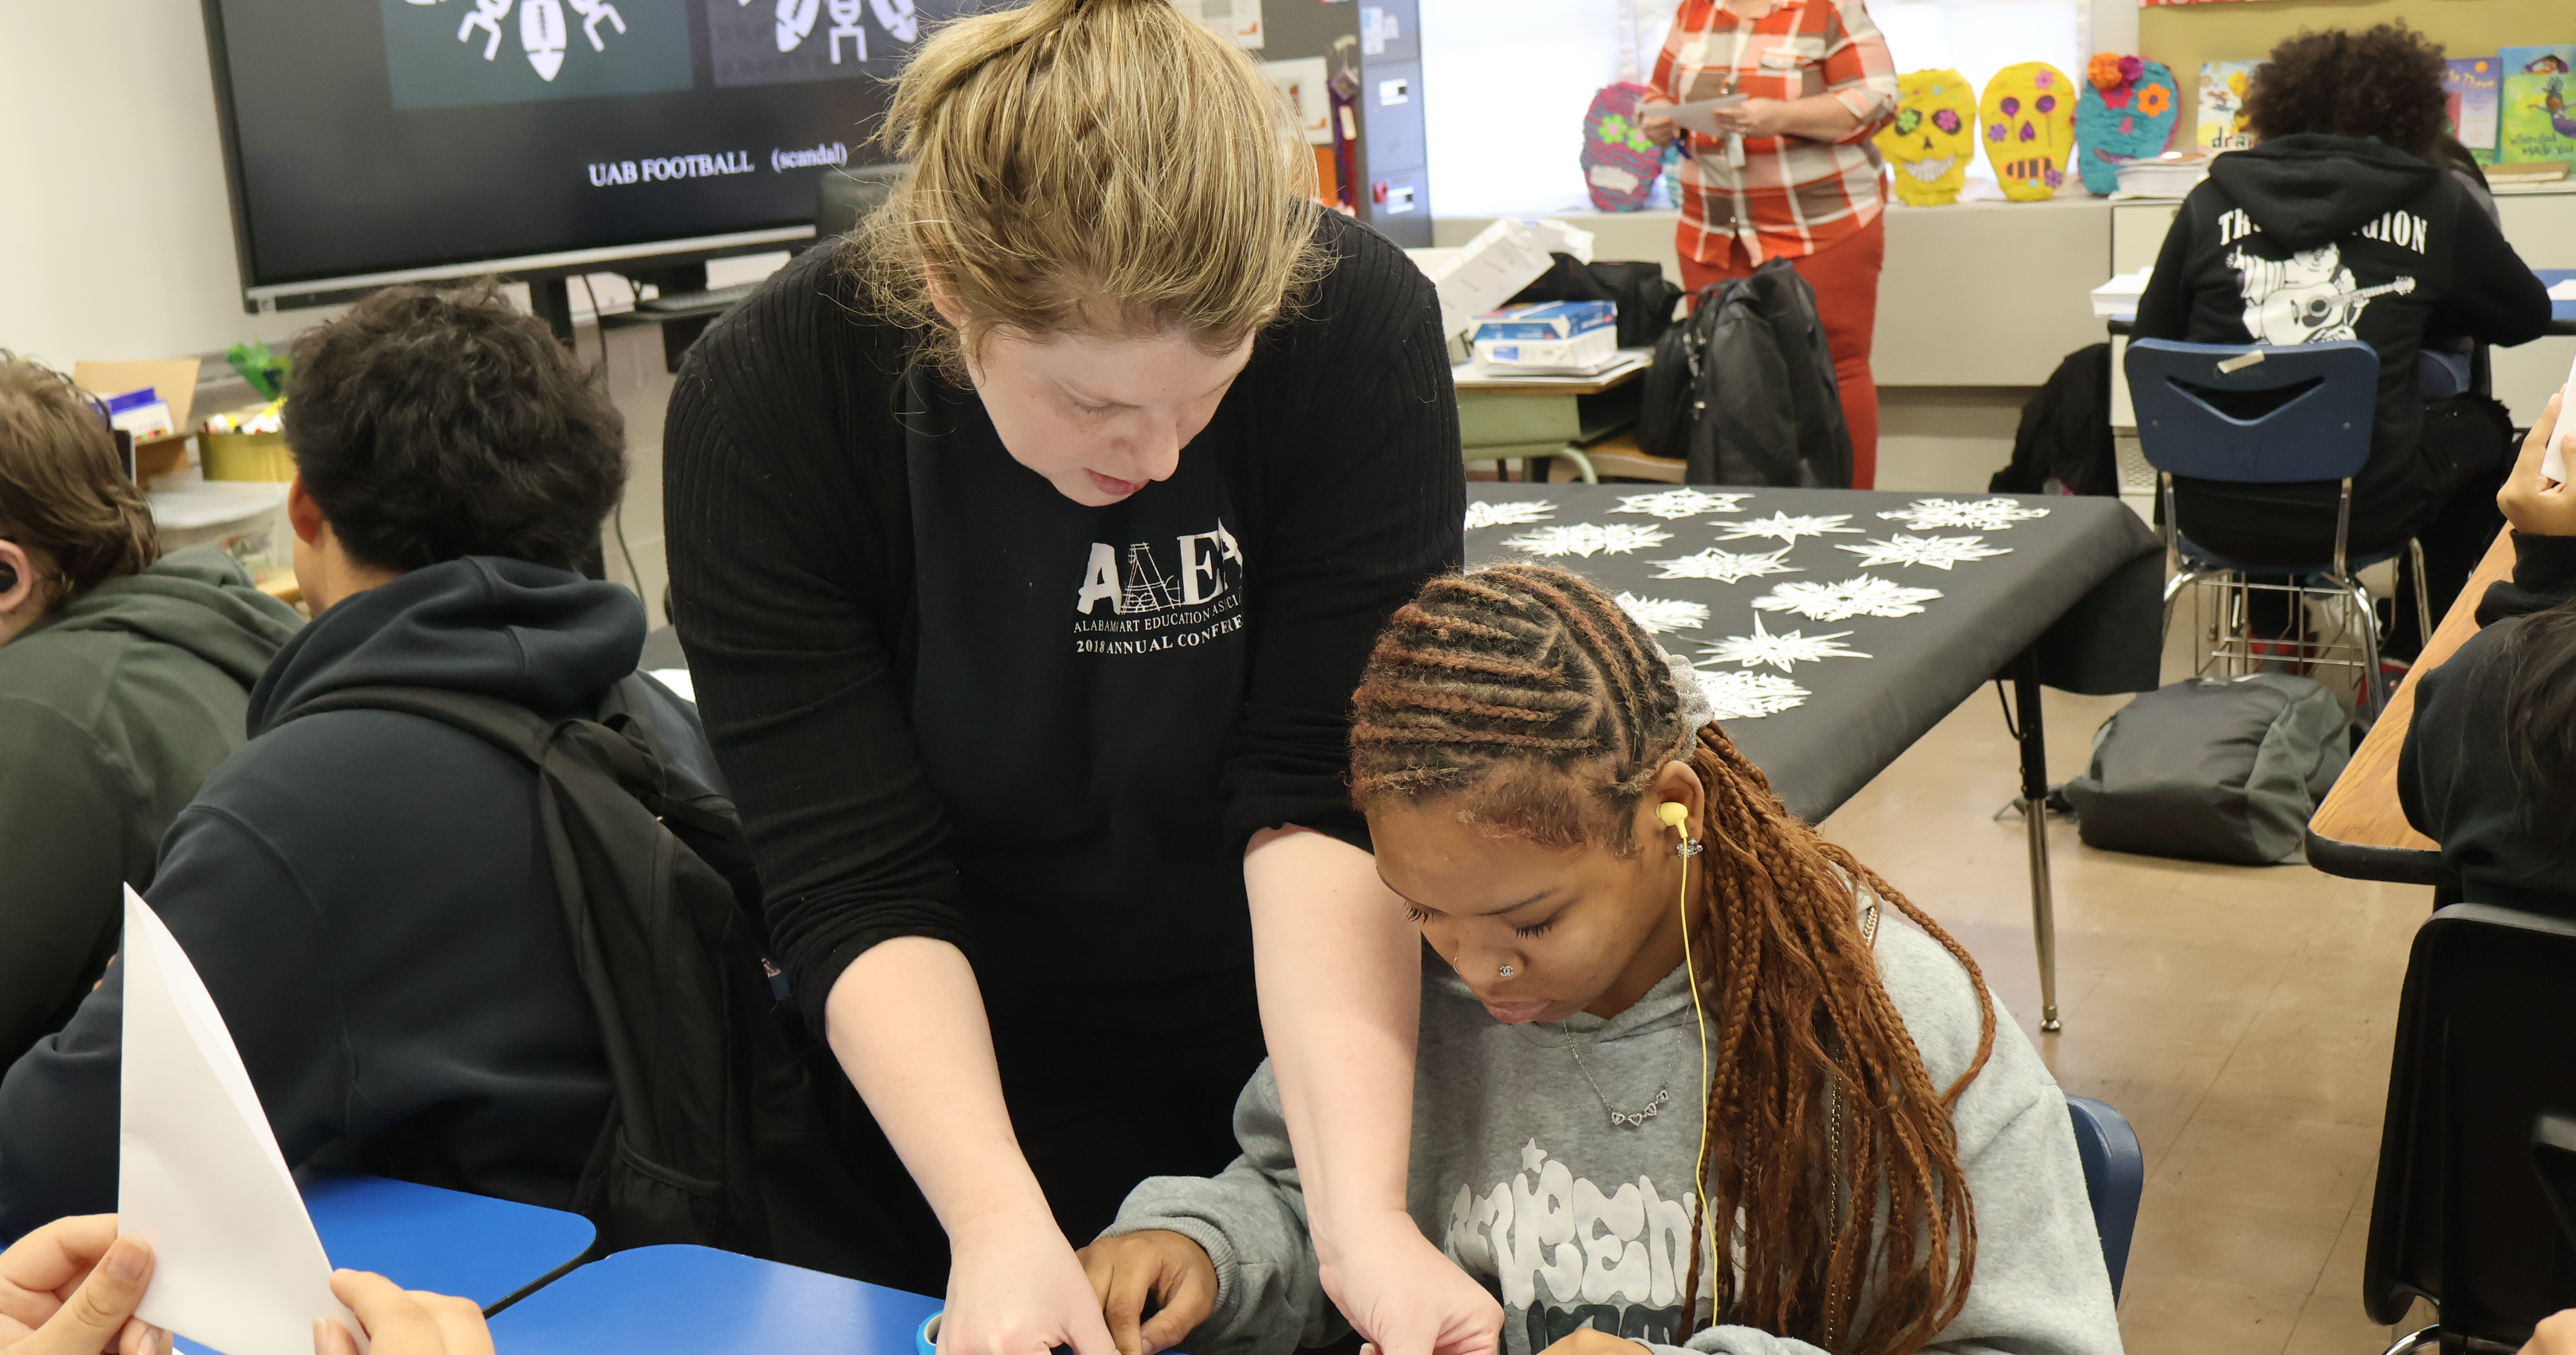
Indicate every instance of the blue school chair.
{"type": "Point", "coordinates": [2318, 432]}
{"type": "Point", "coordinates": [2115, 1172]}
{"type": "Point", "coordinates": [2475, 1205]}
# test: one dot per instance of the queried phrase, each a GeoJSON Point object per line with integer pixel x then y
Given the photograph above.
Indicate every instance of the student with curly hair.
{"type": "Point", "coordinates": [365, 892]}
{"type": "Point", "coordinates": [123, 677]}
{"type": "Point", "coordinates": [1653, 998]}
{"type": "Point", "coordinates": [2339, 224]}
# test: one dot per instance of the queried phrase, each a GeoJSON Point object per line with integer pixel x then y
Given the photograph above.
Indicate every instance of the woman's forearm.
{"type": "Point", "coordinates": [1818, 117]}
{"type": "Point", "coordinates": [906, 1020]}
{"type": "Point", "coordinates": [1341, 999]}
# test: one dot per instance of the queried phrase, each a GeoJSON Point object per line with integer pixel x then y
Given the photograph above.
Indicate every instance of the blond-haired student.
{"type": "Point", "coordinates": [1026, 546]}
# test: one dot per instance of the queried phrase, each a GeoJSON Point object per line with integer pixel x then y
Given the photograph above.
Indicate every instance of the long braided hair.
{"type": "Point", "coordinates": [1526, 699]}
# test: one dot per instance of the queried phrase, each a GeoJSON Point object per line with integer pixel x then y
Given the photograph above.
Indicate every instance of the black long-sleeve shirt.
{"type": "Point", "coordinates": [955, 704]}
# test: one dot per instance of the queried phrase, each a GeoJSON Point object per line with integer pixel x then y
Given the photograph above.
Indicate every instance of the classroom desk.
{"type": "Point", "coordinates": [2074, 602]}
{"type": "Point", "coordinates": [1535, 418]}
{"type": "Point", "coordinates": [2360, 832]}
{"type": "Point", "coordinates": [681, 1300]}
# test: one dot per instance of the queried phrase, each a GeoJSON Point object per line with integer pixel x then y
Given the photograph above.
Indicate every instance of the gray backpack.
{"type": "Point", "coordinates": [2215, 769]}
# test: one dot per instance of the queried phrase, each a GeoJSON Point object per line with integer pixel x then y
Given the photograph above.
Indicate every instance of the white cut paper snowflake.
{"type": "Point", "coordinates": [1933, 552]}
{"type": "Point", "coordinates": [1680, 503]}
{"type": "Point", "coordinates": [1990, 515]}
{"type": "Point", "coordinates": [1725, 566]}
{"type": "Point", "coordinates": [1663, 614]}
{"type": "Point", "coordinates": [1786, 528]}
{"type": "Point", "coordinates": [1508, 514]}
{"type": "Point", "coordinates": [1868, 595]}
{"type": "Point", "coordinates": [1739, 695]}
{"type": "Point", "coordinates": [1586, 538]}
{"type": "Point", "coordinates": [1781, 651]}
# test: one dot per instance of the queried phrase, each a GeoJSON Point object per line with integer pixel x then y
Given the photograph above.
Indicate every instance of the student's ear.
{"type": "Point", "coordinates": [17, 577]}
{"type": "Point", "coordinates": [1677, 783]}
{"type": "Point", "coordinates": [303, 513]}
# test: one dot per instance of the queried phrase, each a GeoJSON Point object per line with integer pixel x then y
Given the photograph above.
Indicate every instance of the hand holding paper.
{"type": "Point", "coordinates": [2553, 458]}
{"type": "Point", "coordinates": [1695, 116]}
{"type": "Point", "coordinates": [2532, 501]}
{"type": "Point", "coordinates": [239, 1267]}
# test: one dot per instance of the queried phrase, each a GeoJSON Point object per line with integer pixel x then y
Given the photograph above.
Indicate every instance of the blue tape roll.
{"type": "Point", "coordinates": [925, 1340]}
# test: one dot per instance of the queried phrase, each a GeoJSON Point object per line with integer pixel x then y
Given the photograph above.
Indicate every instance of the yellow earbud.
{"type": "Point", "coordinates": [1672, 812]}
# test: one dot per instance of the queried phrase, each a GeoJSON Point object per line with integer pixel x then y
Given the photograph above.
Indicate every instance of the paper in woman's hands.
{"type": "Point", "coordinates": [236, 1263]}
{"type": "Point", "coordinates": [1695, 116]}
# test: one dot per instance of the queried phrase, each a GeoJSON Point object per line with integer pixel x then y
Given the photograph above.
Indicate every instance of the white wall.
{"type": "Point", "coordinates": [115, 237]}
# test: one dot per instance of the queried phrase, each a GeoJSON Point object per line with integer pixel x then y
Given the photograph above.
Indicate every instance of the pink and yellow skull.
{"type": "Point", "coordinates": [1933, 137]}
{"type": "Point", "coordinates": [2029, 112]}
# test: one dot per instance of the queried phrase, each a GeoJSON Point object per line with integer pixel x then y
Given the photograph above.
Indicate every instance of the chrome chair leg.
{"type": "Point", "coordinates": [2423, 597]}
{"type": "Point", "coordinates": [2419, 1339]}
{"type": "Point", "coordinates": [2374, 682]}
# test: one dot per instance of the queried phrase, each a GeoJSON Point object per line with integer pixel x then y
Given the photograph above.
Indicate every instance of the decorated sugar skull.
{"type": "Point", "coordinates": [1933, 137]}
{"type": "Point", "coordinates": [1619, 163]}
{"type": "Point", "coordinates": [2126, 111]}
{"type": "Point", "coordinates": [2029, 116]}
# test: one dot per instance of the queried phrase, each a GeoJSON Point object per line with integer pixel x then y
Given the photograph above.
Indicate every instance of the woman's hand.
{"type": "Point", "coordinates": [1818, 117]}
{"type": "Point", "coordinates": [1661, 131]}
{"type": "Point", "coordinates": [71, 1287]}
{"type": "Point", "coordinates": [1015, 1288]}
{"type": "Point", "coordinates": [1753, 117]}
{"type": "Point", "coordinates": [1406, 1297]}
{"type": "Point", "coordinates": [1165, 1267]}
{"type": "Point", "coordinates": [400, 1321]}
{"type": "Point", "coordinates": [2532, 502]}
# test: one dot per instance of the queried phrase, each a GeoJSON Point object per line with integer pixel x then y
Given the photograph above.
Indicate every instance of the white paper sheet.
{"type": "Point", "coordinates": [236, 1263]}
{"type": "Point", "coordinates": [1695, 116]}
{"type": "Point", "coordinates": [2553, 458]}
{"type": "Point", "coordinates": [2564, 290]}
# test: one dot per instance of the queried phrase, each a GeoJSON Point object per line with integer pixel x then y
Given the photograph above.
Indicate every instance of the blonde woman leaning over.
{"type": "Point", "coordinates": [1027, 546]}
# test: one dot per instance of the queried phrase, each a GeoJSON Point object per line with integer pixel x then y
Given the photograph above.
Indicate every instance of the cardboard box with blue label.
{"type": "Point", "coordinates": [1558, 320]}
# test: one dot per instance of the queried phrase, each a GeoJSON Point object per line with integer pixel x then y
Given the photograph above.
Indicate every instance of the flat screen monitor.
{"type": "Point", "coordinates": [370, 142]}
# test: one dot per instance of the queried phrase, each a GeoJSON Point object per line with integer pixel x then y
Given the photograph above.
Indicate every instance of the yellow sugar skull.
{"type": "Point", "coordinates": [2029, 112]}
{"type": "Point", "coordinates": [1933, 137]}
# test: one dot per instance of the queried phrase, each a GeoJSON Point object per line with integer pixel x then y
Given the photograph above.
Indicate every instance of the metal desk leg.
{"type": "Point", "coordinates": [2032, 736]}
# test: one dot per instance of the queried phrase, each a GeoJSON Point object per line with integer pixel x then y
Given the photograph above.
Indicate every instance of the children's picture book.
{"type": "Point", "coordinates": [2534, 120]}
{"type": "Point", "coordinates": [2222, 105]}
{"type": "Point", "coordinates": [2472, 84]}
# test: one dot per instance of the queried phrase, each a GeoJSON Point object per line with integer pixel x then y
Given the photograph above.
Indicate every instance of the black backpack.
{"type": "Point", "coordinates": [1743, 390]}
{"type": "Point", "coordinates": [2063, 445]}
{"type": "Point", "coordinates": [730, 1127]}
{"type": "Point", "coordinates": [1642, 293]}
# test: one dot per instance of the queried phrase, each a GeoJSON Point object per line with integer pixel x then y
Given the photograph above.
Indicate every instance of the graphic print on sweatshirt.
{"type": "Point", "coordinates": [2312, 296]}
{"type": "Point", "coordinates": [1562, 1253]}
{"type": "Point", "coordinates": [1148, 597]}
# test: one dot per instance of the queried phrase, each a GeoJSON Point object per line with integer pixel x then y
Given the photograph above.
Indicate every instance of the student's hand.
{"type": "Point", "coordinates": [2556, 1335]}
{"type": "Point", "coordinates": [1165, 1267]}
{"type": "Point", "coordinates": [1014, 1288]}
{"type": "Point", "coordinates": [1407, 1298]}
{"type": "Point", "coordinates": [1590, 1342]}
{"type": "Point", "coordinates": [71, 1287]}
{"type": "Point", "coordinates": [400, 1322]}
{"type": "Point", "coordinates": [2531, 502]}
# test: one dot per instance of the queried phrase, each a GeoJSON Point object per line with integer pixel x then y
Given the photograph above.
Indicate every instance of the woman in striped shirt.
{"type": "Point", "coordinates": [1796, 176]}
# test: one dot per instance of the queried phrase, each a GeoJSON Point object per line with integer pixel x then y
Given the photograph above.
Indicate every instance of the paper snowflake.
{"type": "Point", "coordinates": [1934, 552]}
{"type": "Point", "coordinates": [1585, 538]}
{"type": "Point", "coordinates": [1725, 566]}
{"type": "Point", "coordinates": [1781, 651]}
{"type": "Point", "coordinates": [1991, 515]}
{"type": "Point", "coordinates": [1508, 514]}
{"type": "Point", "coordinates": [1786, 528]}
{"type": "Point", "coordinates": [1680, 503]}
{"type": "Point", "coordinates": [1868, 595]}
{"type": "Point", "coordinates": [1662, 614]}
{"type": "Point", "coordinates": [1739, 695]}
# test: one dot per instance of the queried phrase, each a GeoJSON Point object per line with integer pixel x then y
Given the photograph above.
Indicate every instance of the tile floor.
{"type": "Point", "coordinates": [2240, 1017]}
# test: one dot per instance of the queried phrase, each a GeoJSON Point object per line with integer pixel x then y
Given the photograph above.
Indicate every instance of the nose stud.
{"type": "Point", "coordinates": [1506, 971]}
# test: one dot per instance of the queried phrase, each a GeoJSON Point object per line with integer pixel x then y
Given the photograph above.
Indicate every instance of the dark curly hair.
{"type": "Point", "coordinates": [2385, 82]}
{"type": "Point", "coordinates": [430, 424]}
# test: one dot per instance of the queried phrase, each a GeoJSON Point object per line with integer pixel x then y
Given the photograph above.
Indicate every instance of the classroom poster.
{"type": "Point", "coordinates": [2471, 86]}
{"type": "Point", "coordinates": [2222, 106]}
{"type": "Point", "coordinates": [2534, 121]}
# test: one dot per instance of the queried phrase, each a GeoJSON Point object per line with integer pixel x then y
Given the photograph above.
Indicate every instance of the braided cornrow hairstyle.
{"type": "Point", "coordinates": [1528, 699]}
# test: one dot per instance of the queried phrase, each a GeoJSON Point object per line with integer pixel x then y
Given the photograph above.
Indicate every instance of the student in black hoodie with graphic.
{"type": "Point", "coordinates": [2337, 224]}
{"type": "Point", "coordinates": [366, 893]}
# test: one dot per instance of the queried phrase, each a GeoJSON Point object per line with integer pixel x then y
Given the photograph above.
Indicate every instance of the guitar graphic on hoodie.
{"type": "Point", "coordinates": [2309, 297]}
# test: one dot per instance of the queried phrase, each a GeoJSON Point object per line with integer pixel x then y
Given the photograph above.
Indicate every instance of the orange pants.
{"type": "Point", "coordinates": [1845, 277]}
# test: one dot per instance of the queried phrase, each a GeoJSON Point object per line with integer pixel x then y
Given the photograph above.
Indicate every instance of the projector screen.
{"type": "Point", "coordinates": [370, 141]}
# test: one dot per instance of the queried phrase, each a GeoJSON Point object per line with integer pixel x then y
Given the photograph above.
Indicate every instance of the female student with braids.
{"type": "Point", "coordinates": [1646, 984]}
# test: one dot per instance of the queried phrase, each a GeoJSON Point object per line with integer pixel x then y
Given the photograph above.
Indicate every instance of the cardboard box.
{"type": "Point", "coordinates": [1546, 320]}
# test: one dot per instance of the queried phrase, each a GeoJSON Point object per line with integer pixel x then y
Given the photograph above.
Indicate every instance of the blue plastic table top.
{"type": "Point", "coordinates": [699, 1301]}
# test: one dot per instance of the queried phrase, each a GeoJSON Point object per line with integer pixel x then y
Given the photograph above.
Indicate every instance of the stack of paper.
{"type": "Point", "coordinates": [2171, 175]}
{"type": "Point", "coordinates": [236, 1263]}
{"type": "Point", "coordinates": [2120, 295]}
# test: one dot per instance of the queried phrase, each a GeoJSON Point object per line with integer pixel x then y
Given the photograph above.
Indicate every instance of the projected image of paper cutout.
{"type": "Point", "coordinates": [1932, 552]}
{"type": "Point", "coordinates": [1783, 650]}
{"type": "Point", "coordinates": [1734, 694]}
{"type": "Point", "coordinates": [1786, 527]}
{"type": "Point", "coordinates": [1588, 539]}
{"type": "Point", "coordinates": [1660, 615]}
{"type": "Point", "coordinates": [1482, 514]}
{"type": "Point", "coordinates": [449, 53]}
{"type": "Point", "coordinates": [1989, 515]}
{"type": "Point", "coordinates": [1726, 566]}
{"type": "Point", "coordinates": [1680, 503]}
{"type": "Point", "coordinates": [236, 1263]}
{"type": "Point", "coordinates": [777, 42]}
{"type": "Point", "coordinates": [1868, 595]}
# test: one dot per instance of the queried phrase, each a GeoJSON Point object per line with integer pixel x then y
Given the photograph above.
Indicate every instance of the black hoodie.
{"type": "Point", "coordinates": [2308, 238]}
{"type": "Point", "coordinates": [367, 897]}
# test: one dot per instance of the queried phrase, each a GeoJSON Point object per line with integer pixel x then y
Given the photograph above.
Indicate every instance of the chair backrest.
{"type": "Point", "coordinates": [2115, 1172]}
{"type": "Point", "coordinates": [2319, 433]}
{"type": "Point", "coordinates": [2473, 1148]}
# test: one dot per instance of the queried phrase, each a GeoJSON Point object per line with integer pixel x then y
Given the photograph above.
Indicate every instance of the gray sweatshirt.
{"type": "Point", "coordinates": [1519, 1175]}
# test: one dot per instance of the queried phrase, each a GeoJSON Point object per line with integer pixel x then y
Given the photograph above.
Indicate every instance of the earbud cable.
{"type": "Point", "coordinates": [1690, 969]}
